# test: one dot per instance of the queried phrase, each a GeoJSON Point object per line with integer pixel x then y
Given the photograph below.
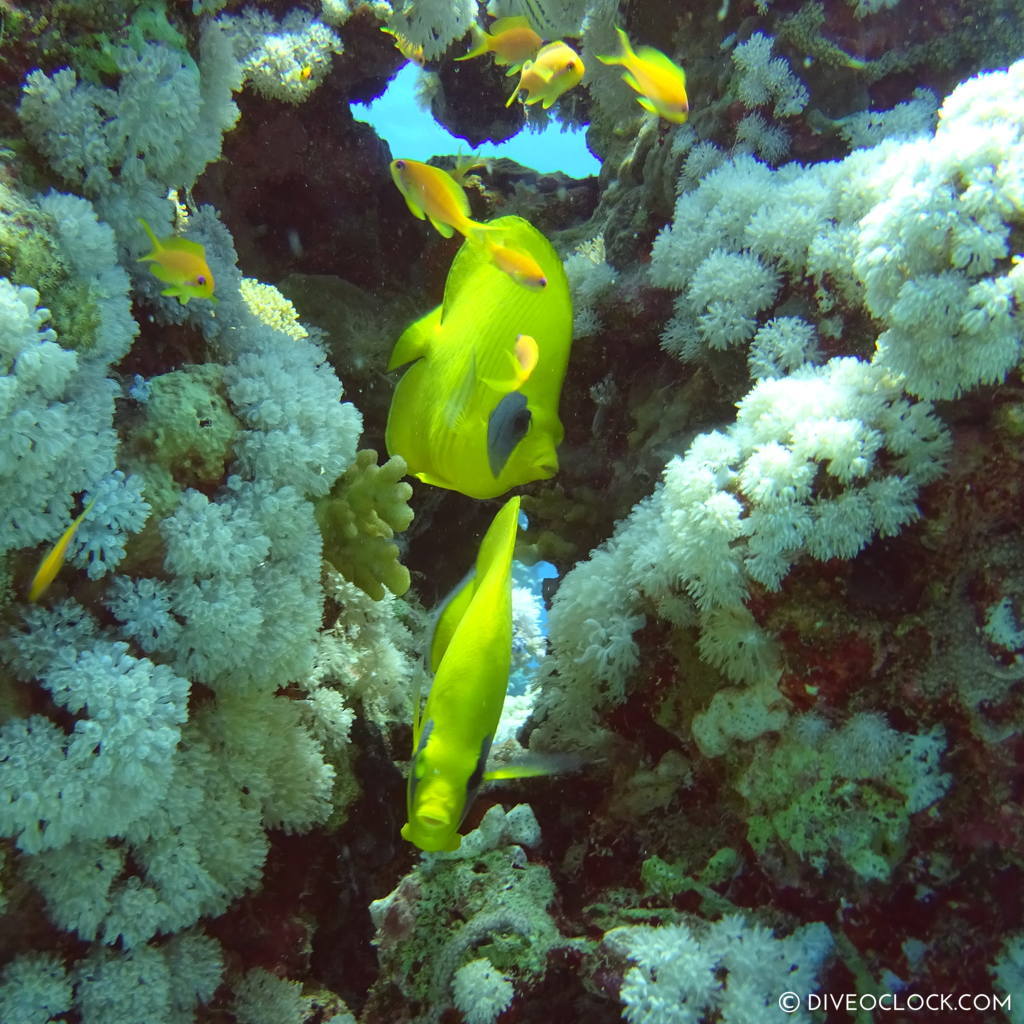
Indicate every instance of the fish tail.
{"type": "Point", "coordinates": [481, 43]}
{"type": "Point", "coordinates": [624, 54]}
{"type": "Point", "coordinates": [484, 235]}
{"type": "Point", "coordinates": [149, 231]}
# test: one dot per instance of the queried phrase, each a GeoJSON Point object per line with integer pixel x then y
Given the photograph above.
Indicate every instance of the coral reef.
{"type": "Point", "coordinates": [763, 731]}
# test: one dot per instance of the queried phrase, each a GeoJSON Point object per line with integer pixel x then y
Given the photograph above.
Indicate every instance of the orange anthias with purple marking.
{"type": "Point", "coordinates": [181, 265]}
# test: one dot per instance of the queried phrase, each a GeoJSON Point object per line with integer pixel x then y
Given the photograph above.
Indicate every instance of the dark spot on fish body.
{"type": "Point", "coordinates": [428, 728]}
{"type": "Point", "coordinates": [507, 425]}
{"type": "Point", "coordinates": [473, 782]}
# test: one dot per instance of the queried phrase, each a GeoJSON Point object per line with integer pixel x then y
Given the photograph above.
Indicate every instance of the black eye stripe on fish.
{"type": "Point", "coordinates": [507, 425]}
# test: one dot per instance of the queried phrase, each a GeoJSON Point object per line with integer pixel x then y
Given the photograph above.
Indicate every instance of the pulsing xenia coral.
{"type": "Point", "coordinates": [282, 61]}
{"type": "Point", "coordinates": [157, 130]}
{"type": "Point", "coordinates": [765, 79]}
{"type": "Point", "coordinates": [842, 797]}
{"type": "Point", "coordinates": [729, 970]}
{"type": "Point", "coordinates": [129, 713]}
{"type": "Point", "coordinates": [915, 236]}
{"type": "Point", "coordinates": [432, 24]}
{"type": "Point", "coordinates": [817, 463]}
{"type": "Point", "coordinates": [56, 399]}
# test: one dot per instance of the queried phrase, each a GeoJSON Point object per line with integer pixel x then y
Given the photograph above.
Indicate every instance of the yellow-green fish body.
{"type": "Point", "coordinates": [447, 420]}
{"type": "Point", "coordinates": [54, 558]}
{"type": "Point", "coordinates": [471, 656]}
{"type": "Point", "coordinates": [553, 72]}
{"type": "Point", "coordinates": [181, 265]}
{"type": "Point", "coordinates": [660, 82]}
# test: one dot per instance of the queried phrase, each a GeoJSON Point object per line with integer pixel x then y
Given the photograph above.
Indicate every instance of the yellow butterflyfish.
{"type": "Point", "coordinates": [471, 654]}
{"type": "Point", "coordinates": [54, 558]}
{"type": "Point", "coordinates": [431, 193]}
{"type": "Point", "coordinates": [181, 265]}
{"type": "Point", "coordinates": [660, 82]}
{"type": "Point", "coordinates": [446, 420]}
{"type": "Point", "coordinates": [554, 71]}
{"type": "Point", "coordinates": [511, 40]}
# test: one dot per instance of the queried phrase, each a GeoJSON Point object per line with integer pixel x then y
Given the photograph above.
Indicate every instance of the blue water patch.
{"type": "Point", "coordinates": [420, 137]}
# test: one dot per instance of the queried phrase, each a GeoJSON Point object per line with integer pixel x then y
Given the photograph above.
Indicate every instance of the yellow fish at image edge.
{"type": "Point", "coordinates": [53, 561]}
{"type": "Point", "coordinates": [660, 82]}
{"type": "Point", "coordinates": [181, 265]}
{"type": "Point", "coordinates": [470, 656]}
{"type": "Point", "coordinates": [477, 411]}
{"type": "Point", "coordinates": [554, 71]}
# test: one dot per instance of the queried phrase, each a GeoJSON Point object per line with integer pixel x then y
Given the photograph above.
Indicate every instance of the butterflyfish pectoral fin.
{"type": "Point", "coordinates": [459, 402]}
{"type": "Point", "coordinates": [531, 765]}
{"type": "Point", "coordinates": [414, 341]}
{"type": "Point", "coordinates": [647, 104]}
{"type": "Point", "coordinates": [507, 425]}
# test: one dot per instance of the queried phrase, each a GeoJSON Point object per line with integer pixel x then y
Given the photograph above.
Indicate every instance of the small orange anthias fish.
{"type": "Point", "coordinates": [54, 558]}
{"type": "Point", "coordinates": [181, 265]}
{"type": "Point", "coordinates": [522, 361]}
{"type": "Point", "coordinates": [520, 266]}
{"type": "Point", "coordinates": [511, 40]}
{"type": "Point", "coordinates": [554, 71]}
{"type": "Point", "coordinates": [432, 193]}
{"type": "Point", "coordinates": [660, 82]}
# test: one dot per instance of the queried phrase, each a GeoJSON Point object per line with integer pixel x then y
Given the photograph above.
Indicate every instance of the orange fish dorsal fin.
{"type": "Point", "coordinates": [455, 191]}
{"type": "Point", "coordinates": [175, 244]}
{"type": "Point", "coordinates": [661, 61]}
{"type": "Point", "coordinates": [513, 21]}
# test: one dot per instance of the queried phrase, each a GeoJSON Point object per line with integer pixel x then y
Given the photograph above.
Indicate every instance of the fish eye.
{"type": "Point", "coordinates": [200, 280]}
{"type": "Point", "coordinates": [570, 65]}
{"type": "Point", "coordinates": [400, 164]}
